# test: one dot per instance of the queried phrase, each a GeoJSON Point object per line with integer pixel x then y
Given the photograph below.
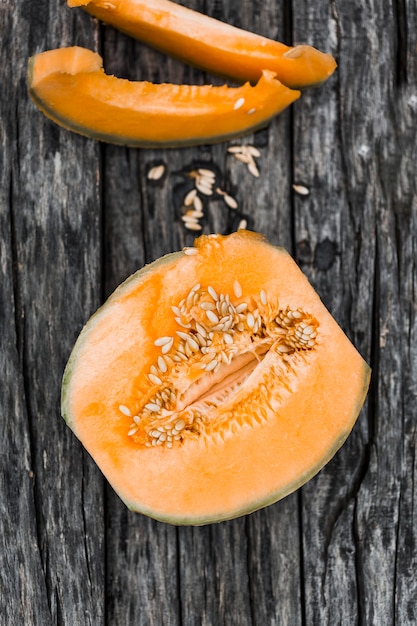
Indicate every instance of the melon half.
{"type": "Point", "coordinates": [213, 382]}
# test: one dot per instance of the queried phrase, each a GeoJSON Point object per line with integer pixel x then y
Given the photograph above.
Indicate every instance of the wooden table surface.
{"type": "Point", "coordinates": [77, 217]}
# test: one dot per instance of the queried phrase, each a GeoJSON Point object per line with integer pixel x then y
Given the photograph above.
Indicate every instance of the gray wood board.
{"type": "Point", "coordinates": [77, 217]}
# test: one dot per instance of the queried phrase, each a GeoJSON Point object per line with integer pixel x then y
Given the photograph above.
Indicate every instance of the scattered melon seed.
{"type": "Point", "coordinates": [193, 225]}
{"type": "Point", "coordinates": [198, 204]}
{"type": "Point", "coordinates": [206, 173]}
{"type": "Point", "coordinates": [188, 218]}
{"type": "Point", "coordinates": [254, 151]}
{"type": "Point", "coordinates": [229, 200]}
{"type": "Point", "coordinates": [156, 172]}
{"type": "Point", "coordinates": [195, 213]}
{"type": "Point", "coordinates": [204, 180]}
{"type": "Point", "coordinates": [301, 190]}
{"type": "Point", "coordinates": [247, 155]}
{"type": "Point", "coordinates": [235, 149]}
{"type": "Point", "coordinates": [243, 157]}
{"type": "Point", "coordinates": [205, 188]}
{"type": "Point", "coordinates": [190, 197]}
{"type": "Point", "coordinates": [253, 169]}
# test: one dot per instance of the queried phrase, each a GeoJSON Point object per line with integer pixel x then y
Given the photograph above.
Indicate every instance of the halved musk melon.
{"type": "Point", "coordinates": [213, 382]}
{"type": "Point", "coordinates": [211, 44]}
{"type": "Point", "coordinates": [69, 86]}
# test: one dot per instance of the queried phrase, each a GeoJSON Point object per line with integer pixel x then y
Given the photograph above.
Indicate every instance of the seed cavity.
{"type": "Point", "coordinates": [218, 342]}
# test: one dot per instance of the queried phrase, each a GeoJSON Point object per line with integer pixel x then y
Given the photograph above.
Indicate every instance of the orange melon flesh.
{"type": "Point", "coordinates": [211, 44]}
{"type": "Point", "coordinates": [264, 440]}
{"type": "Point", "coordinates": [69, 86]}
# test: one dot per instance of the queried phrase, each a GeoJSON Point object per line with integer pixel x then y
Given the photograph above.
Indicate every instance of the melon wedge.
{"type": "Point", "coordinates": [213, 382]}
{"type": "Point", "coordinates": [69, 86]}
{"type": "Point", "coordinates": [211, 44]}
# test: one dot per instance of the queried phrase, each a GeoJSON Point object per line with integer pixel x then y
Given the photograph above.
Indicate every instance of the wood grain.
{"type": "Point", "coordinates": [78, 217]}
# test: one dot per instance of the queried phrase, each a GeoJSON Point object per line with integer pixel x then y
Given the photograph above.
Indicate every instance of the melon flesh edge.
{"type": "Point", "coordinates": [257, 458]}
{"type": "Point", "coordinates": [210, 44]}
{"type": "Point", "coordinates": [70, 87]}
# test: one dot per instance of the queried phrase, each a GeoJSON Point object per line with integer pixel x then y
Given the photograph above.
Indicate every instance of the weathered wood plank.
{"type": "Point", "coordinates": [77, 218]}
{"type": "Point", "coordinates": [23, 593]}
{"type": "Point", "coordinates": [326, 238]}
{"type": "Point", "coordinates": [52, 504]}
{"type": "Point", "coordinates": [214, 581]}
{"type": "Point", "coordinates": [366, 187]}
